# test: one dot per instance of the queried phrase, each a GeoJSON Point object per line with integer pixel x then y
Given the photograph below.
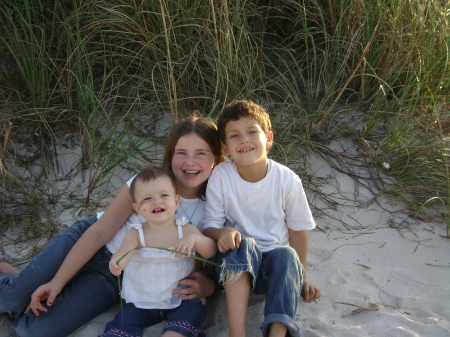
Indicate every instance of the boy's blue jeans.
{"type": "Point", "coordinates": [91, 291]}
{"type": "Point", "coordinates": [187, 319]}
{"type": "Point", "coordinates": [278, 274]}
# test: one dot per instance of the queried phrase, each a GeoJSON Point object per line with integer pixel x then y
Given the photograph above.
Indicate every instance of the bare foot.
{"type": "Point", "coordinates": [6, 268]}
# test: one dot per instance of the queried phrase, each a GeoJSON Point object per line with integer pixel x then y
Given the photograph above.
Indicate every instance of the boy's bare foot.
{"type": "Point", "coordinates": [6, 268]}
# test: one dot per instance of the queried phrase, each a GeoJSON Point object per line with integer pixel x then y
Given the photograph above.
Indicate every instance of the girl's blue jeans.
{"type": "Point", "coordinates": [278, 274]}
{"type": "Point", "coordinates": [92, 291]}
{"type": "Point", "coordinates": [187, 319]}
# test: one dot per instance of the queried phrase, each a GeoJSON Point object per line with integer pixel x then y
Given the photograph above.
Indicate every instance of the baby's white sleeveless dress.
{"type": "Point", "coordinates": [153, 274]}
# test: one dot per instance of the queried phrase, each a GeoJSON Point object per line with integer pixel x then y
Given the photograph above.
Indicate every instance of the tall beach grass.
{"type": "Point", "coordinates": [104, 73]}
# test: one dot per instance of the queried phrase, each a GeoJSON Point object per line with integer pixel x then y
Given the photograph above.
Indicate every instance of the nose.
{"type": "Point", "coordinates": [244, 139]}
{"type": "Point", "coordinates": [189, 160]}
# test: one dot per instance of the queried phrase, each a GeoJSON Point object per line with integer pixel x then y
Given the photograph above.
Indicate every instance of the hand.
{"type": "Point", "coordinates": [200, 285]}
{"type": "Point", "coordinates": [48, 292]}
{"type": "Point", "coordinates": [309, 292]}
{"type": "Point", "coordinates": [185, 245]}
{"type": "Point", "coordinates": [114, 268]}
{"type": "Point", "coordinates": [229, 239]}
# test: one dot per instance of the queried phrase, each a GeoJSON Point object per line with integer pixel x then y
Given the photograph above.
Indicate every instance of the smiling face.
{"type": "Point", "coordinates": [247, 144]}
{"type": "Point", "coordinates": [156, 200]}
{"type": "Point", "coordinates": [192, 164]}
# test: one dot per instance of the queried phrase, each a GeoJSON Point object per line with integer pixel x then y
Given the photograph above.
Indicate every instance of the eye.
{"type": "Point", "coordinates": [233, 135]}
{"type": "Point", "coordinates": [180, 152]}
{"type": "Point", "coordinates": [148, 198]}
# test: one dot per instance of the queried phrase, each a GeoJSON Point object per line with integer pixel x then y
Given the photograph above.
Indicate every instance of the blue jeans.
{"type": "Point", "coordinates": [92, 291]}
{"type": "Point", "coordinates": [278, 274]}
{"type": "Point", "coordinates": [187, 319]}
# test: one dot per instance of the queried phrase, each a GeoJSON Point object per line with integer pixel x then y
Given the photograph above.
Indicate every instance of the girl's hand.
{"type": "Point", "coordinates": [229, 239]}
{"type": "Point", "coordinates": [309, 292]}
{"type": "Point", "coordinates": [48, 292]}
{"type": "Point", "coordinates": [185, 245]}
{"type": "Point", "coordinates": [200, 285]}
{"type": "Point", "coordinates": [114, 268]}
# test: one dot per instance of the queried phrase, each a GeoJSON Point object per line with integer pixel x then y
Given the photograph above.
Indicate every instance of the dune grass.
{"type": "Point", "coordinates": [105, 73]}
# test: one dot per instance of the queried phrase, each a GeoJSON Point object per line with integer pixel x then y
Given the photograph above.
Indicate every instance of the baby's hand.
{"type": "Point", "coordinates": [114, 268]}
{"type": "Point", "coordinates": [229, 239]}
{"type": "Point", "coordinates": [185, 245]}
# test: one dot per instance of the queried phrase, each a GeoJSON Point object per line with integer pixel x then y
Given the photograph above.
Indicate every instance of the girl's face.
{"type": "Point", "coordinates": [192, 164]}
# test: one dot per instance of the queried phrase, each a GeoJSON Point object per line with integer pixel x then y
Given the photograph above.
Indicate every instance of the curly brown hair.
{"type": "Point", "coordinates": [243, 108]}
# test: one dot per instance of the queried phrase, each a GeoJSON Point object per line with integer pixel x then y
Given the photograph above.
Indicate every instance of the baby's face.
{"type": "Point", "coordinates": [156, 200]}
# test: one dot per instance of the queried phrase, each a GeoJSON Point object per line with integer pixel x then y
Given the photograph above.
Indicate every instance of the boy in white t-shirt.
{"type": "Point", "coordinates": [257, 212]}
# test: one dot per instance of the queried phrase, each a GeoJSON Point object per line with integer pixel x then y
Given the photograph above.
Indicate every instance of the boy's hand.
{"type": "Point", "coordinates": [185, 245]}
{"type": "Point", "coordinates": [114, 268]}
{"type": "Point", "coordinates": [229, 239]}
{"type": "Point", "coordinates": [309, 292]}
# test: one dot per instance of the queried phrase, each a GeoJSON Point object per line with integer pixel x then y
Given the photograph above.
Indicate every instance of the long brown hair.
{"type": "Point", "coordinates": [203, 127]}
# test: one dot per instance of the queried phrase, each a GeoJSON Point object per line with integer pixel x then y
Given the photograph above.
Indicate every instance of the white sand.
{"type": "Point", "coordinates": [392, 271]}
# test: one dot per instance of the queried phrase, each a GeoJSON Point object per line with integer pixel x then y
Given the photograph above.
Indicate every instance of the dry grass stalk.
{"type": "Point", "coordinates": [364, 308]}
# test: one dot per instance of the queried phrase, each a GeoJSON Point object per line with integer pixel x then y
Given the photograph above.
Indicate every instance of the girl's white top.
{"type": "Point", "coordinates": [153, 274]}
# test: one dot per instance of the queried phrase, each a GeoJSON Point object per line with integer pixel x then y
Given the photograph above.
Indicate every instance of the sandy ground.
{"type": "Point", "coordinates": [381, 272]}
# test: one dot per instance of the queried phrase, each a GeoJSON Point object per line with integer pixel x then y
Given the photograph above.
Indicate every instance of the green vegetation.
{"type": "Point", "coordinates": [105, 72]}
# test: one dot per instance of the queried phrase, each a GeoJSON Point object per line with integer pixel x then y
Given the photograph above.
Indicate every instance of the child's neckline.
{"type": "Point", "coordinates": [253, 181]}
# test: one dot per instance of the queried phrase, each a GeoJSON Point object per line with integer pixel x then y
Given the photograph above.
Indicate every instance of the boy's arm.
{"type": "Point", "coordinates": [299, 241]}
{"type": "Point", "coordinates": [226, 237]}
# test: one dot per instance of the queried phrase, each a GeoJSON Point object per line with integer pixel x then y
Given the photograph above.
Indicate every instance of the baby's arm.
{"type": "Point", "coordinates": [130, 241]}
{"type": "Point", "coordinates": [193, 239]}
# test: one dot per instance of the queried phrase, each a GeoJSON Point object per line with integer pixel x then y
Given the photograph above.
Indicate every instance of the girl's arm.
{"type": "Point", "coordinates": [90, 242]}
{"type": "Point", "coordinates": [299, 241]}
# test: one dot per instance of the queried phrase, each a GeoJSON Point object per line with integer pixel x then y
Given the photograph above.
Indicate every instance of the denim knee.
{"type": "Point", "coordinates": [245, 258]}
{"type": "Point", "coordinates": [285, 259]}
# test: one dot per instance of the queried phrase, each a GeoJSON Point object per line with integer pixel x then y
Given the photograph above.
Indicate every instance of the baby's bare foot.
{"type": "Point", "coordinates": [6, 268]}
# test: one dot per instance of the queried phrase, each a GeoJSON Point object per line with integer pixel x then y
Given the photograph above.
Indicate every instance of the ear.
{"type": "Point", "coordinates": [136, 207]}
{"type": "Point", "coordinates": [224, 148]}
{"type": "Point", "coordinates": [269, 142]}
{"type": "Point", "coordinates": [177, 200]}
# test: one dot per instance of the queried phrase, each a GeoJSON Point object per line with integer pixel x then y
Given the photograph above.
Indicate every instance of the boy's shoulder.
{"type": "Point", "coordinates": [223, 167]}
{"type": "Point", "coordinates": [282, 169]}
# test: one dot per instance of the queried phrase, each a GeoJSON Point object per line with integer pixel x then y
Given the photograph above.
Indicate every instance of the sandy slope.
{"type": "Point", "coordinates": [368, 254]}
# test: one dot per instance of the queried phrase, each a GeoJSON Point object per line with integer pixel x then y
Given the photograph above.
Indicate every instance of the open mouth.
{"type": "Point", "coordinates": [191, 173]}
{"type": "Point", "coordinates": [246, 150]}
{"type": "Point", "coordinates": [158, 210]}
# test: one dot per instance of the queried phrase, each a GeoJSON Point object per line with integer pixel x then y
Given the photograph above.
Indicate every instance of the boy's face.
{"type": "Point", "coordinates": [246, 143]}
{"type": "Point", "coordinates": [156, 200]}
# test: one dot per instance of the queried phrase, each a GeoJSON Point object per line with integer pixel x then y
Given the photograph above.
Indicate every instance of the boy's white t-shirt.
{"type": "Point", "coordinates": [192, 209]}
{"type": "Point", "coordinates": [263, 210]}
